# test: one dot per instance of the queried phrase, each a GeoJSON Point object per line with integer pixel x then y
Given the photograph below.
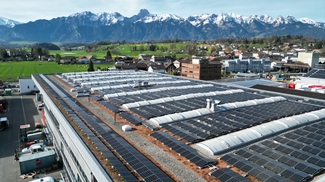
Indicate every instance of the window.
{"type": "Point", "coordinates": [28, 87]}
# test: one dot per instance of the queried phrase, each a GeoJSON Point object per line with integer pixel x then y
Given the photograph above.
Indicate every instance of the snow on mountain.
{"type": "Point", "coordinates": [88, 27]}
{"type": "Point", "coordinates": [100, 18]}
{"type": "Point", "coordinates": [159, 17]}
{"type": "Point", "coordinates": [8, 22]}
{"type": "Point", "coordinates": [312, 22]}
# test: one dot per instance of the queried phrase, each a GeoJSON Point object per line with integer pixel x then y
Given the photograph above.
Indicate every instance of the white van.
{"type": "Point", "coordinates": [35, 148]}
{"type": "Point", "coordinates": [44, 179]}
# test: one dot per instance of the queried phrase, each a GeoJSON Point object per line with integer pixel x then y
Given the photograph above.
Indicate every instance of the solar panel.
{"type": "Point", "coordinates": [226, 174]}
{"type": "Point", "coordinates": [130, 118]}
{"type": "Point", "coordinates": [255, 170]}
{"type": "Point", "coordinates": [185, 150]}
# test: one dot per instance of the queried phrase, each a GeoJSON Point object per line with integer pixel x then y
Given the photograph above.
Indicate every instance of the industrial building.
{"type": "Point", "coordinates": [182, 129]}
{"type": "Point", "coordinates": [311, 58]}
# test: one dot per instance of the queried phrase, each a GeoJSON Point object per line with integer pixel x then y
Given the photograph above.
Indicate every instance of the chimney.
{"type": "Point", "coordinates": [208, 103]}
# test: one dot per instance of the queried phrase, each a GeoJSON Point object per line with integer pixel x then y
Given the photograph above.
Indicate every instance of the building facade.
{"type": "Point", "coordinates": [201, 69]}
{"type": "Point", "coordinates": [79, 163]}
{"type": "Point", "coordinates": [311, 58]}
{"type": "Point", "coordinates": [247, 65]}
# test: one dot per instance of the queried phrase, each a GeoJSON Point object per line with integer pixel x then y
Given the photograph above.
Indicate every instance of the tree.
{"type": "Point", "coordinates": [108, 55]}
{"type": "Point", "coordinates": [57, 58]}
{"type": "Point", "coordinates": [91, 66]}
{"type": "Point", "coordinates": [318, 45]}
{"type": "Point", "coordinates": [3, 53]}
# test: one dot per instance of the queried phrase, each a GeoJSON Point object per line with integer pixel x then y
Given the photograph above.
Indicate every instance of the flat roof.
{"type": "Point", "coordinates": [181, 107]}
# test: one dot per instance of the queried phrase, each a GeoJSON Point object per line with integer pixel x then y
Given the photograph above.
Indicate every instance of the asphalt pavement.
{"type": "Point", "coordinates": [21, 110]}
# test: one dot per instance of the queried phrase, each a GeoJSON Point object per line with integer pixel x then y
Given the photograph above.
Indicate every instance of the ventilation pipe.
{"type": "Point", "coordinates": [213, 104]}
{"type": "Point", "coordinates": [208, 103]}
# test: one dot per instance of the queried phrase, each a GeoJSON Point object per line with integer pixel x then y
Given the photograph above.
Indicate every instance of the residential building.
{"type": "Point", "coordinates": [158, 59]}
{"type": "Point", "coordinates": [156, 68]}
{"type": "Point", "coordinates": [67, 60]}
{"type": "Point", "coordinates": [247, 65]}
{"type": "Point", "coordinates": [201, 69]}
{"type": "Point", "coordinates": [83, 60]}
{"type": "Point", "coordinates": [144, 57]}
{"type": "Point", "coordinates": [170, 67]}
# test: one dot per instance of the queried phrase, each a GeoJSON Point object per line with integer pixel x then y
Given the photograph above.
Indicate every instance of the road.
{"type": "Point", "coordinates": [21, 110]}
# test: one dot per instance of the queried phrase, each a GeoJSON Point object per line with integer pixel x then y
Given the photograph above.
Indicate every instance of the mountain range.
{"type": "Point", "coordinates": [89, 27]}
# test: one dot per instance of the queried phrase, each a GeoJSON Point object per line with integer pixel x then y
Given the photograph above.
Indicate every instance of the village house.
{"type": "Point", "coordinates": [68, 60]}
{"type": "Point", "coordinates": [157, 68]}
{"type": "Point", "coordinates": [144, 57]}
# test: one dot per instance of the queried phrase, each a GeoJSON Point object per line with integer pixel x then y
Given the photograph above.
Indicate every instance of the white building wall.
{"type": "Point", "coordinates": [254, 65]}
{"type": "Point", "coordinates": [26, 85]}
{"type": "Point", "coordinates": [311, 58]}
{"type": "Point", "coordinates": [64, 135]}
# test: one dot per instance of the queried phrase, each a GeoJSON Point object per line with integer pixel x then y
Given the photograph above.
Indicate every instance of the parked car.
{"type": "Point", "coordinates": [40, 106]}
{"type": "Point", "coordinates": [4, 123]}
{"type": "Point", "coordinates": [33, 92]}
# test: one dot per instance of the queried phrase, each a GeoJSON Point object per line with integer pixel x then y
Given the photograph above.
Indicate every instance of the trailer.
{"type": "Point", "coordinates": [39, 160]}
{"type": "Point", "coordinates": [35, 136]}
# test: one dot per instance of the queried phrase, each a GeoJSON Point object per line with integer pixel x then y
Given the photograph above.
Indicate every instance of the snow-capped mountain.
{"type": "Point", "coordinates": [89, 27]}
{"type": "Point", "coordinates": [8, 23]}
{"type": "Point", "coordinates": [231, 17]}
{"type": "Point", "coordinates": [88, 18]}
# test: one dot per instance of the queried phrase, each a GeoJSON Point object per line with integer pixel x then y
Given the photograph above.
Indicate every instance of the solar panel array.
{"type": "Point", "coordinates": [132, 119]}
{"type": "Point", "coordinates": [216, 124]}
{"type": "Point", "coordinates": [121, 169]}
{"type": "Point", "coordinates": [142, 165]}
{"type": "Point", "coordinates": [253, 169]}
{"type": "Point", "coordinates": [184, 150]}
{"type": "Point", "coordinates": [110, 106]}
{"type": "Point", "coordinates": [227, 175]}
{"type": "Point", "coordinates": [220, 123]}
{"type": "Point", "coordinates": [155, 110]}
{"type": "Point", "coordinates": [168, 93]}
{"type": "Point", "coordinates": [131, 88]}
{"type": "Point", "coordinates": [297, 155]}
{"type": "Point", "coordinates": [315, 73]}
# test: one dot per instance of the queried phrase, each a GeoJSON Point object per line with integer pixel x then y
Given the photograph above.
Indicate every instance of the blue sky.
{"type": "Point", "coordinates": [31, 10]}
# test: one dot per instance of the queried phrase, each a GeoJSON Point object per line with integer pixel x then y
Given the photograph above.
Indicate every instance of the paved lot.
{"type": "Point", "coordinates": [22, 110]}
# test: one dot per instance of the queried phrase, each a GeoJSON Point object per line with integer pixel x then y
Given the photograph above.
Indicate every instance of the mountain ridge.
{"type": "Point", "coordinates": [144, 26]}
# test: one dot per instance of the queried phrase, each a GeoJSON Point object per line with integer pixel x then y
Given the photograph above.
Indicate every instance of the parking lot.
{"type": "Point", "coordinates": [21, 110]}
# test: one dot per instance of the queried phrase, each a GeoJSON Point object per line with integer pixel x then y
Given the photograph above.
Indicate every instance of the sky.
{"type": "Point", "coordinates": [31, 10]}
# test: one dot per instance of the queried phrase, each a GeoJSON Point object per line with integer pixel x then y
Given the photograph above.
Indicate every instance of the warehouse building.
{"type": "Point", "coordinates": [182, 129]}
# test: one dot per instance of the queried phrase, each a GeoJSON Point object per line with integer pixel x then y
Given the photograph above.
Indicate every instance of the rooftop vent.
{"type": "Point", "coordinates": [211, 104]}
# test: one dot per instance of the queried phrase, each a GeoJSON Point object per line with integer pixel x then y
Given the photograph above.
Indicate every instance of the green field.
{"type": "Point", "coordinates": [124, 49]}
{"type": "Point", "coordinates": [11, 71]}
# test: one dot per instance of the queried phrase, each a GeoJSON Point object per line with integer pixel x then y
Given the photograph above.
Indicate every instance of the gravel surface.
{"type": "Point", "coordinates": [158, 154]}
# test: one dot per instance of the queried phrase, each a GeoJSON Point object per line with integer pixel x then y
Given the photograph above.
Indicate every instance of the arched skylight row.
{"type": "Point", "coordinates": [107, 96]}
{"type": "Point", "coordinates": [157, 121]}
{"type": "Point", "coordinates": [181, 97]}
{"type": "Point", "coordinates": [228, 142]}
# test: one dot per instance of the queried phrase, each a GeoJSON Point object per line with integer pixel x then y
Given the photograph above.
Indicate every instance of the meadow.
{"type": "Point", "coordinates": [125, 49]}
{"type": "Point", "coordinates": [11, 71]}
